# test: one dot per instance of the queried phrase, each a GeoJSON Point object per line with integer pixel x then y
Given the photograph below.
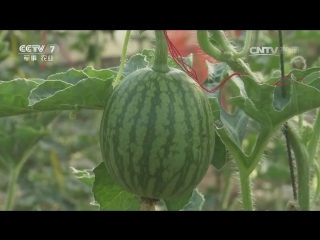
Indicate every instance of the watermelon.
{"type": "Point", "coordinates": [157, 133]}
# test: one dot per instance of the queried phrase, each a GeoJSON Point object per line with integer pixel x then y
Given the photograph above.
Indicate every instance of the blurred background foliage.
{"type": "Point", "coordinates": [63, 143]}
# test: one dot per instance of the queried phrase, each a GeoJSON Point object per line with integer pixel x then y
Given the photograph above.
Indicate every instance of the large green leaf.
{"type": "Point", "coordinates": [103, 74]}
{"type": "Point", "coordinates": [266, 105]}
{"type": "Point", "coordinates": [14, 97]}
{"type": "Point", "coordinates": [87, 89]}
{"type": "Point", "coordinates": [235, 124]}
{"type": "Point", "coordinates": [110, 195]}
{"type": "Point", "coordinates": [89, 93]}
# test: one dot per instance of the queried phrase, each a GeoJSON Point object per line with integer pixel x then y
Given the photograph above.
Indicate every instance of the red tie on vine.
{"type": "Point", "coordinates": [188, 69]}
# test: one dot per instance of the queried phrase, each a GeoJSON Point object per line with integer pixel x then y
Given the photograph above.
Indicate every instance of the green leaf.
{"type": "Point", "coordinates": [71, 76]}
{"type": "Point", "coordinates": [46, 90]}
{"type": "Point", "coordinates": [264, 103]}
{"type": "Point", "coordinates": [110, 195]}
{"type": "Point", "coordinates": [103, 74]}
{"type": "Point", "coordinates": [86, 176]}
{"type": "Point", "coordinates": [14, 97]}
{"type": "Point", "coordinates": [315, 83]}
{"type": "Point", "coordinates": [220, 153]}
{"type": "Point", "coordinates": [141, 31]}
{"type": "Point", "coordinates": [235, 124]}
{"type": "Point", "coordinates": [222, 130]}
{"type": "Point", "coordinates": [177, 204]}
{"type": "Point", "coordinates": [88, 89]}
{"type": "Point", "coordinates": [89, 93]}
{"type": "Point", "coordinates": [195, 203]}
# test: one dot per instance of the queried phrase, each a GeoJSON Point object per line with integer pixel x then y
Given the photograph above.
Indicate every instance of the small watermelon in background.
{"type": "Point", "coordinates": [157, 132]}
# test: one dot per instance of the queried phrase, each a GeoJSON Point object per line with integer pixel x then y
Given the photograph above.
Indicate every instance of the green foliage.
{"type": "Point", "coordinates": [57, 120]}
{"type": "Point", "coordinates": [62, 91]}
{"type": "Point", "coordinates": [109, 195]}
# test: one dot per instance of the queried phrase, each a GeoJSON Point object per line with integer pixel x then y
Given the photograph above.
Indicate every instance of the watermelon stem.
{"type": "Point", "coordinates": [123, 57]}
{"type": "Point", "coordinates": [161, 53]}
{"type": "Point", "coordinates": [147, 204]}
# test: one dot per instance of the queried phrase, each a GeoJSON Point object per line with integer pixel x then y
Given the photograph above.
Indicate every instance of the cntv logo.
{"type": "Point", "coordinates": [272, 51]}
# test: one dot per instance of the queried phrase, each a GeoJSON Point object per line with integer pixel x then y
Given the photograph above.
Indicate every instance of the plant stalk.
{"type": "Point", "coordinates": [15, 173]}
{"type": "Point", "coordinates": [123, 57]}
{"type": "Point", "coordinates": [312, 149]}
{"type": "Point", "coordinates": [246, 47]}
{"type": "Point", "coordinates": [246, 191]}
{"type": "Point", "coordinates": [317, 173]}
{"type": "Point", "coordinates": [161, 53]}
{"type": "Point", "coordinates": [221, 39]}
{"type": "Point", "coordinates": [227, 189]}
{"type": "Point", "coordinates": [303, 170]}
{"type": "Point", "coordinates": [314, 140]}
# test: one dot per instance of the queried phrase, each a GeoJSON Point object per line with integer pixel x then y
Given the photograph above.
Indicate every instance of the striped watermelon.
{"type": "Point", "coordinates": [157, 134]}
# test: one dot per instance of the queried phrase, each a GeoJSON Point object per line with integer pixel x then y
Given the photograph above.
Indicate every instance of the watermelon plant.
{"type": "Point", "coordinates": [161, 129]}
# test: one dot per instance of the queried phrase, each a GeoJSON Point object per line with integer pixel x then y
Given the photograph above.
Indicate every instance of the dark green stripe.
{"type": "Point", "coordinates": [162, 183]}
{"type": "Point", "coordinates": [150, 136]}
{"type": "Point", "coordinates": [188, 96]}
{"type": "Point", "coordinates": [123, 94]}
{"type": "Point", "coordinates": [133, 136]}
